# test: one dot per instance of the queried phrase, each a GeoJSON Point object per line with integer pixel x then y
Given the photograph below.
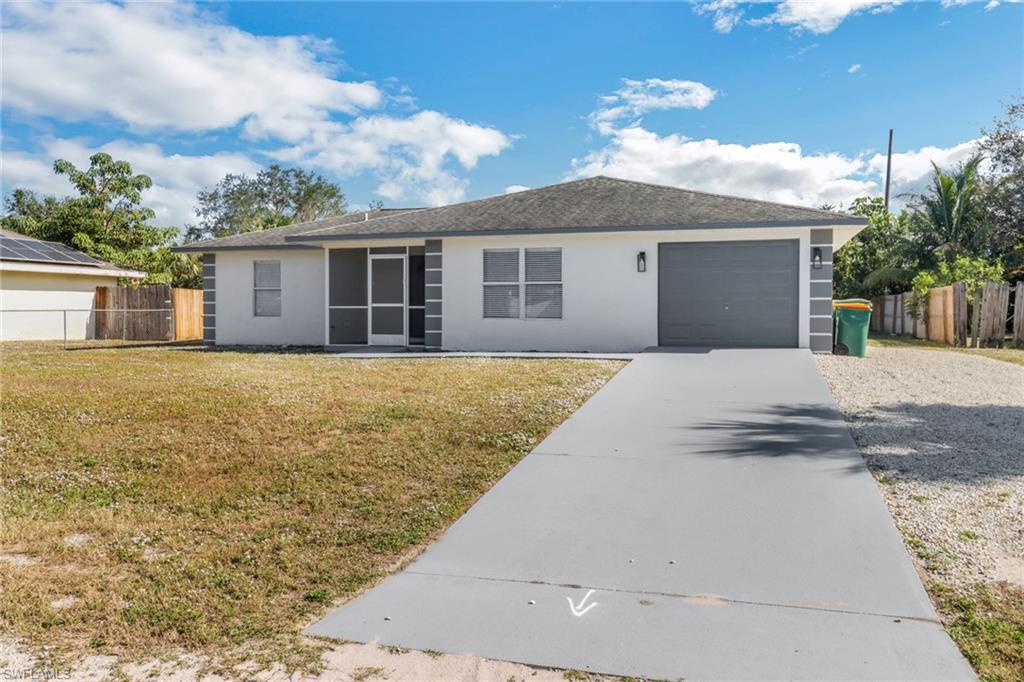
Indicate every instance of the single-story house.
{"type": "Point", "coordinates": [599, 264]}
{"type": "Point", "coordinates": [46, 285]}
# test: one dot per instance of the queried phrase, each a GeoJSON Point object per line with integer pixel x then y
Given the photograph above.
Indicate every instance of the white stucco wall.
{"type": "Point", "coordinates": [302, 299]}
{"type": "Point", "coordinates": [607, 305]}
{"type": "Point", "coordinates": [23, 293]}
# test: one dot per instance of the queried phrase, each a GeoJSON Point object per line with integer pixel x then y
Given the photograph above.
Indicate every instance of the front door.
{"type": "Point", "coordinates": [387, 300]}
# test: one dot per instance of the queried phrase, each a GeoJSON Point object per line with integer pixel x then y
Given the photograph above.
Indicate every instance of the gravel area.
{"type": "Point", "coordinates": [943, 433]}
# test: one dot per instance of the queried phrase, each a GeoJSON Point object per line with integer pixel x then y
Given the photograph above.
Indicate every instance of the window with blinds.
{"type": "Point", "coordinates": [501, 283]}
{"type": "Point", "coordinates": [543, 284]}
{"type": "Point", "coordinates": [533, 291]}
{"type": "Point", "coordinates": [266, 288]}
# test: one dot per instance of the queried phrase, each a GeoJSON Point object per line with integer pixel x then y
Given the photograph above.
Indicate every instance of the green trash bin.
{"type": "Point", "coordinates": [851, 329]}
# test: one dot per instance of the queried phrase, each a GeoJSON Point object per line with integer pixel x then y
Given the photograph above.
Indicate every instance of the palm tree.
{"type": "Point", "coordinates": [948, 214]}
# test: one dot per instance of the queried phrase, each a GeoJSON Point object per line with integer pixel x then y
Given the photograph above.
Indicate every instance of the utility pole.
{"type": "Point", "coordinates": [888, 172]}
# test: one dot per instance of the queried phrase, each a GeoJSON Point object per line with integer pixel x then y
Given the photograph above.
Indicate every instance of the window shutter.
{"type": "Point", "coordinates": [501, 300]}
{"type": "Point", "coordinates": [543, 265]}
{"type": "Point", "coordinates": [501, 265]}
{"type": "Point", "coordinates": [544, 301]}
{"type": "Point", "coordinates": [267, 274]}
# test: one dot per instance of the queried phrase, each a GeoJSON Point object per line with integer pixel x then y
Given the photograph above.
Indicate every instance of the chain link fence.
{"type": "Point", "coordinates": [93, 328]}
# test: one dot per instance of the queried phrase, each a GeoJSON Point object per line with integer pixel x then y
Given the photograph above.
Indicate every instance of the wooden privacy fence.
{"type": "Point", "coordinates": [188, 313]}
{"type": "Point", "coordinates": [154, 312]}
{"type": "Point", "coordinates": [1018, 316]}
{"type": "Point", "coordinates": [949, 317]}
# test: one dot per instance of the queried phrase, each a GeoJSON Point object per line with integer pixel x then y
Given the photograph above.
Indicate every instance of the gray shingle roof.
{"type": "Point", "coordinates": [590, 205]}
{"type": "Point", "coordinates": [275, 237]}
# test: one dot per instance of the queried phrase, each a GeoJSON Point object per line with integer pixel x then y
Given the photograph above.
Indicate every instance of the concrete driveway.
{"type": "Point", "coordinates": [705, 515]}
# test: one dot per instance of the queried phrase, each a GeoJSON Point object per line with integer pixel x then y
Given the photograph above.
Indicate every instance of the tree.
{"type": "Point", "coordinates": [873, 262]}
{"type": "Point", "coordinates": [106, 220]}
{"type": "Point", "coordinates": [948, 220]}
{"type": "Point", "coordinates": [1003, 191]}
{"type": "Point", "coordinates": [274, 197]}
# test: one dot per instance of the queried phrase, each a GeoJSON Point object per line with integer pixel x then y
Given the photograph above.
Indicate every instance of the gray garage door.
{"type": "Point", "coordinates": [728, 293]}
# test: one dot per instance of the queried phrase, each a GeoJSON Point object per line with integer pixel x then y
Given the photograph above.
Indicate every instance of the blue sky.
{"type": "Point", "coordinates": [419, 104]}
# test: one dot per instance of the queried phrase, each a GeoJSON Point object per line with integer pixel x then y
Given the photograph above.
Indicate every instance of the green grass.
{"type": "Point", "coordinates": [1011, 355]}
{"type": "Point", "coordinates": [987, 624]}
{"type": "Point", "coordinates": [226, 499]}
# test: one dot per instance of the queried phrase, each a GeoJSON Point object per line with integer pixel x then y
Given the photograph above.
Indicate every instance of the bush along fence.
{"type": "Point", "coordinates": [953, 315]}
{"type": "Point", "coordinates": [148, 313]}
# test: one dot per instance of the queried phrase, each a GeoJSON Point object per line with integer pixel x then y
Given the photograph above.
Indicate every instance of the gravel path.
{"type": "Point", "coordinates": [943, 433]}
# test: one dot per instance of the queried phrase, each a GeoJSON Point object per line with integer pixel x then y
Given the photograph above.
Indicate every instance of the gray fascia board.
{"type": "Point", "coordinates": [199, 248]}
{"type": "Point", "coordinates": [314, 237]}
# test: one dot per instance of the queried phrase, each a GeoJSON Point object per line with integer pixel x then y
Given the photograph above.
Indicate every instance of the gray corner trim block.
{"type": "Point", "coordinates": [821, 306]}
{"type": "Point", "coordinates": [432, 340]}
{"type": "Point", "coordinates": [824, 236]}
{"type": "Point", "coordinates": [824, 272]}
{"type": "Point", "coordinates": [821, 290]}
{"type": "Point", "coordinates": [821, 325]}
{"type": "Point", "coordinates": [821, 344]}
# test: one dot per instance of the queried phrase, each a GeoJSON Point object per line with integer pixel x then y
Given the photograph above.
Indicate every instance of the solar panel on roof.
{"type": "Point", "coordinates": [12, 248]}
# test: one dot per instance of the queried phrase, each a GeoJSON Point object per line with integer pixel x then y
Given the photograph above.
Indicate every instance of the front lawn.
{"type": "Point", "coordinates": [155, 501]}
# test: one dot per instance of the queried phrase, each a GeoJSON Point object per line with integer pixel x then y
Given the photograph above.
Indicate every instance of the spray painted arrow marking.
{"type": "Point", "coordinates": [578, 611]}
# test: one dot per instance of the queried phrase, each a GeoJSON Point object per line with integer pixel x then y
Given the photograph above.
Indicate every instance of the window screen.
{"type": "Point", "coordinates": [544, 301]}
{"type": "Point", "coordinates": [535, 292]}
{"type": "Point", "coordinates": [543, 284]}
{"type": "Point", "coordinates": [267, 288]}
{"type": "Point", "coordinates": [501, 300]}
{"type": "Point", "coordinates": [501, 265]}
{"type": "Point", "coordinates": [543, 265]}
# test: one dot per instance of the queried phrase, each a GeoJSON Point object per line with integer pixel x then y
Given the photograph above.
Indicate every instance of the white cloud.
{"type": "Point", "coordinates": [168, 66]}
{"type": "Point", "coordinates": [912, 170]}
{"type": "Point", "coordinates": [407, 154]}
{"type": "Point", "coordinates": [512, 189]}
{"type": "Point", "coordinates": [823, 17]}
{"type": "Point", "coordinates": [854, 68]}
{"type": "Point", "coordinates": [637, 97]}
{"type": "Point", "coordinates": [726, 13]}
{"type": "Point", "coordinates": [776, 171]}
{"type": "Point", "coordinates": [176, 177]}
{"type": "Point", "coordinates": [177, 67]}
{"type": "Point", "coordinates": [816, 16]}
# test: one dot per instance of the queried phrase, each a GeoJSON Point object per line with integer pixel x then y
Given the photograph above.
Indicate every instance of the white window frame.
{"type": "Point", "coordinates": [522, 281]}
{"type": "Point", "coordinates": [278, 288]}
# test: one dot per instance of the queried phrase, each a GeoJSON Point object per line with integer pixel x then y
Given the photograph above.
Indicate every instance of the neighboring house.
{"type": "Point", "coordinates": [591, 265]}
{"type": "Point", "coordinates": [40, 280]}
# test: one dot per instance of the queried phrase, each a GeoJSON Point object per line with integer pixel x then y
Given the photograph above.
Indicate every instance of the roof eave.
{"type": "Point", "coordinates": [199, 247]}
{"type": "Point", "coordinates": [308, 238]}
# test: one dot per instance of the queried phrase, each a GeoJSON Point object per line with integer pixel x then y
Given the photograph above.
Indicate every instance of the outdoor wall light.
{"type": "Point", "coordinates": [641, 262]}
{"type": "Point", "coordinates": [816, 258]}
